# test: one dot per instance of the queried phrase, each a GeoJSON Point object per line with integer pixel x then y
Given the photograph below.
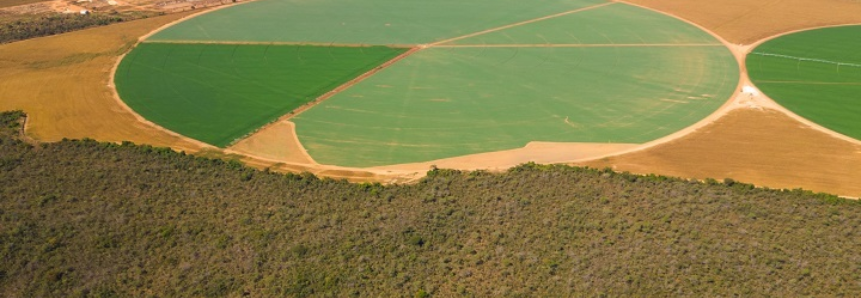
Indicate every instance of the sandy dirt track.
{"type": "Point", "coordinates": [746, 21]}
{"type": "Point", "coordinates": [764, 147]}
{"type": "Point", "coordinates": [538, 152]}
{"type": "Point", "coordinates": [62, 83]}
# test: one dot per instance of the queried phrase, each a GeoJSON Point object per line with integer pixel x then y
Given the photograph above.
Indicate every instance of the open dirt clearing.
{"type": "Point", "coordinates": [62, 83]}
{"type": "Point", "coordinates": [277, 142]}
{"type": "Point", "coordinates": [763, 147]}
{"type": "Point", "coordinates": [745, 21]}
{"type": "Point", "coordinates": [10, 3]}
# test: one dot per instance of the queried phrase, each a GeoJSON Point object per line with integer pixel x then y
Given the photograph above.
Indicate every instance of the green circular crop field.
{"type": "Point", "coordinates": [815, 74]}
{"type": "Point", "coordinates": [470, 76]}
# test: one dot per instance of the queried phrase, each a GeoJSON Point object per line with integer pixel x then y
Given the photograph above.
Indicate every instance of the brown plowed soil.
{"type": "Point", "coordinates": [62, 83]}
{"type": "Point", "coordinates": [746, 21]}
{"type": "Point", "coordinates": [763, 147]}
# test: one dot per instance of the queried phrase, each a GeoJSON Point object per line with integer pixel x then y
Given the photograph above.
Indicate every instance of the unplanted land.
{"type": "Point", "coordinates": [764, 147]}
{"type": "Point", "coordinates": [446, 102]}
{"type": "Point", "coordinates": [63, 84]}
{"type": "Point", "coordinates": [218, 93]}
{"type": "Point", "coordinates": [745, 21]}
{"type": "Point", "coordinates": [815, 74]}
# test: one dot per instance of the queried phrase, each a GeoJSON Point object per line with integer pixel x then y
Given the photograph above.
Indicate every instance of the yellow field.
{"type": "Point", "coordinates": [763, 147]}
{"type": "Point", "coordinates": [746, 21]}
{"type": "Point", "coordinates": [62, 83]}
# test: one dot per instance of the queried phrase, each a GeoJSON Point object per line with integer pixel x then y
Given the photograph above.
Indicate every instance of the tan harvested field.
{"type": "Point", "coordinates": [62, 83]}
{"type": "Point", "coordinates": [277, 142]}
{"type": "Point", "coordinates": [10, 3]}
{"type": "Point", "coordinates": [746, 21]}
{"type": "Point", "coordinates": [764, 147]}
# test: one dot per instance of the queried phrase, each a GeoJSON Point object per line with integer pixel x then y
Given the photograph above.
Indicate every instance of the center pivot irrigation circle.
{"type": "Point", "coordinates": [383, 82]}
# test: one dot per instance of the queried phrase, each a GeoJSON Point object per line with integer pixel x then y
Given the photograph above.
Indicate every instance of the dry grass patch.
{"type": "Point", "coordinates": [745, 21]}
{"type": "Point", "coordinates": [11, 3]}
{"type": "Point", "coordinates": [62, 83]}
{"type": "Point", "coordinates": [762, 147]}
{"type": "Point", "coordinates": [275, 142]}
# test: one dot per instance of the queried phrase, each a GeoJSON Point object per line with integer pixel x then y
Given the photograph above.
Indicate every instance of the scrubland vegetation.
{"type": "Point", "coordinates": [31, 26]}
{"type": "Point", "coordinates": [90, 219]}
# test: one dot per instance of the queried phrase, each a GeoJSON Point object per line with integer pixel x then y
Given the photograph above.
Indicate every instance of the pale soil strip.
{"type": "Point", "coordinates": [608, 45]}
{"type": "Point", "coordinates": [770, 103]}
{"type": "Point", "coordinates": [520, 24]}
{"type": "Point", "coordinates": [329, 94]}
{"type": "Point", "coordinates": [539, 152]}
{"type": "Point", "coordinates": [730, 104]}
{"type": "Point", "coordinates": [279, 142]}
{"type": "Point", "coordinates": [279, 43]}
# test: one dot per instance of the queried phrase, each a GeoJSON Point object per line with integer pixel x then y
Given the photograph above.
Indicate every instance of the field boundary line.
{"type": "Point", "coordinates": [491, 30]}
{"type": "Point", "coordinates": [280, 43]}
{"type": "Point", "coordinates": [112, 85]}
{"type": "Point", "coordinates": [604, 45]}
{"type": "Point", "coordinates": [327, 95]}
{"type": "Point", "coordinates": [349, 84]}
{"type": "Point", "coordinates": [774, 105]}
{"type": "Point", "coordinates": [122, 104]}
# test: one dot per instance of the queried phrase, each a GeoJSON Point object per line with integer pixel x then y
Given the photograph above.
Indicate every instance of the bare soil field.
{"type": "Point", "coordinates": [764, 147]}
{"type": "Point", "coordinates": [10, 3]}
{"type": "Point", "coordinates": [62, 83]}
{"type": "Point", "coordinates": [745, 21]}
{"type": "Point", "coordinates": [276, 142]}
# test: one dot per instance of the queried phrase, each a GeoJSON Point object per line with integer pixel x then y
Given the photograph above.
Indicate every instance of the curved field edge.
{"type": "Point", "coordinates": [816, 74]}
{"type": "Point", "coordinates": [746, 22]}
{"type": "Point", "coordinates": [764, 147]}
{"type": "Point", "coordinates": [446, 102]}
{"type": "Point", "coordinates": [219, 93]}
{"type": "Point", "coordinates": [379, 22]}
{"type": "Point", "coordinates": [616, 24]}
{"type": "Point", "coordinates": [63, 83]}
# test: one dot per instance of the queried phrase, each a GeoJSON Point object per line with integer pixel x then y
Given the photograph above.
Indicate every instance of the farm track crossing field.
{"type": "Point", "coordinates": [218, 93]}
{"type": "Point", "coordinates": [366, 22]}
{"type": "Point", "coordinates": [447, 102]}
{"type": "Point", "coordinates": [816, 74]}
{"type": "Point", "coordinates": [488, 76]}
